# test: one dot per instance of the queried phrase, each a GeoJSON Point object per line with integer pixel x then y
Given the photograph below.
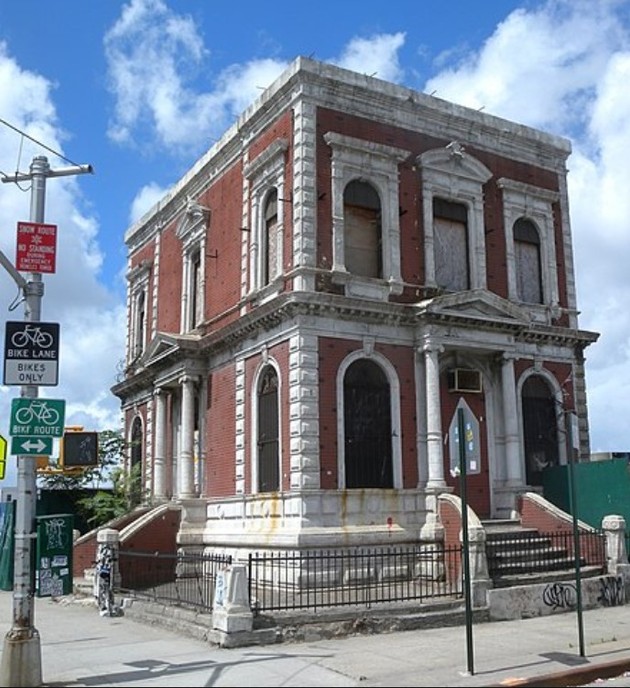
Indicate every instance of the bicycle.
{"type": "Point", "coordinates": [38, 410]}
{"type": "Point", "coordinates": [33, 335]}
{"type": "Point", "coordinates": [103, 581]}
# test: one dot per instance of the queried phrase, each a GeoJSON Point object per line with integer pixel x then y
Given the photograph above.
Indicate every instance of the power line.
{"type": "Point", "coordinates": [39, 143]}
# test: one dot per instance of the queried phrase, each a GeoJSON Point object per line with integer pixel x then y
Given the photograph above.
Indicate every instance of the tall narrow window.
{"type": "Point", "coordinates": [135, 469]}
{"type": "Point", "coordinates": [527, 261]}
{"type": "Point", "coordinates": [272, 238]}
{"type": "Point", "coordinates": [451, 245]}
{"type": "Point", "coordinates": [362, 230]}
{"type": "Point", "coordinates": [268, 432]}
{"type": "Point", "coordinates": [196, 302]}
{"type": "Point", "coordinates": [540, 428]}
{"type": "Point", "coordinates": [140, 323]}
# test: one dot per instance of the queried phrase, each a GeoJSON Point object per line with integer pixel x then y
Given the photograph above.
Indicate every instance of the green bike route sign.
{"type": "Point", "coordinates": [37, 417]}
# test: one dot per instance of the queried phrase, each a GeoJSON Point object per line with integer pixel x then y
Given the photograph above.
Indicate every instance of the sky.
{"type": "Point", "coordinates": [141, 89]}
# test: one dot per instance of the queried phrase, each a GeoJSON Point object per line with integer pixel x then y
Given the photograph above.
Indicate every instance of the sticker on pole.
{"type": "Point", "coordinates": [36, 247]}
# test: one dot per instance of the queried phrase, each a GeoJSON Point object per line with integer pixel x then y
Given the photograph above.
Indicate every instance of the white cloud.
{"type": "Point", "coordinates": [564, 67]}
{"type": "Point", "coordinates": [375, 56]}
{"type": "Point", "coordinates": [144, 200]}
{"type": "Point", "coordinates": [91, 321]}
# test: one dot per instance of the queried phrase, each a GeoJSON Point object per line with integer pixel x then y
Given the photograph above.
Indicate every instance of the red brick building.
{"type": "Point", "coordinates": [313, 302]}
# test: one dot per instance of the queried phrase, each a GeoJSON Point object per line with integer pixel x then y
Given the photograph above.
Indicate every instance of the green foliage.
{"type": "Point", "coordinates": [117, 490]}
{"type": "Point", "coordinates": [104, 506]}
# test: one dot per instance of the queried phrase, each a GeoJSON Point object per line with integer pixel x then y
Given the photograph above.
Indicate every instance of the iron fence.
{"type": "Point", "coordinates": [529, 553]}
{"type": "Point", "coordinates": [361, 577]}
{"type": "Point", "coordinates": [182, 579]}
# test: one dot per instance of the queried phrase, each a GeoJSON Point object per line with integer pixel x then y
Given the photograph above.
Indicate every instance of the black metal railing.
{"type": "Point", "coordinates": [530, 553]}
{"type": "Point", "coordinates": [360, 576]}
{"type": "Point", "coordinates": [182, 579]}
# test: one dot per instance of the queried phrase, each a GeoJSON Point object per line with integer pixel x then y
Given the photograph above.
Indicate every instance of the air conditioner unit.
{"type": "Point", "coordinates": [464, 380]}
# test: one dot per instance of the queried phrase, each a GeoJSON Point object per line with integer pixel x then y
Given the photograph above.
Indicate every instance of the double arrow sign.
{"type": "Point", "coordinates": [28, 445]}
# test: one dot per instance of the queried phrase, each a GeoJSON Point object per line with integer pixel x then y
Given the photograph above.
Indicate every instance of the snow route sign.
{"type": "Point", "coordinates": [36, 247]}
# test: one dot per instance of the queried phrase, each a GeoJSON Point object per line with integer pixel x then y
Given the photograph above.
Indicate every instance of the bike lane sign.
{"type": "Point", "coordinates": [31, 353]}
{"type": "Point", "coordinates": [37, 418]}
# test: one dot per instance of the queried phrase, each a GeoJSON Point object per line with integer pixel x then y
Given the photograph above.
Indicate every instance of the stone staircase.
{"type": "Point", "coordinates": [522, 556]}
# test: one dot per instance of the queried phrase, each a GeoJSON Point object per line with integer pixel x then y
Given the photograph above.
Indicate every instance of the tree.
{"type": "Point", "coordinates": [109, 484]}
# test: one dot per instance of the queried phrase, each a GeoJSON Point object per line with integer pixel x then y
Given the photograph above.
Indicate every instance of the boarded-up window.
{"type": "Point", "coordinates": [527, 261]}
{"type": "Point", "coordinates": [362, 230]}
{"type": "Point", "coordinates": [272, 239]}
{"type": "Point", "coordinates": [450, 230]}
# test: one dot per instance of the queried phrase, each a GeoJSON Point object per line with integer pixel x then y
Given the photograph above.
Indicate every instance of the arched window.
{"type": "Point", "coordinates": [140, 323]}
{"type": "Point", "coordinates": [268, 432]}
{"type": "Point", "coordinates": [362, 230]}
{"type": "Point", "coordinates": [450, 229]}
{"type": "Point", "coordinates": [272, 238]}
{"type": "Point", "coordinates": [367, 424]}
{"type": "Point", "coordinates": [540, 428]}
{"type": "Point", "coordinates": [135, 469]}
{"type": "Point", "coordinates": [527, 261]}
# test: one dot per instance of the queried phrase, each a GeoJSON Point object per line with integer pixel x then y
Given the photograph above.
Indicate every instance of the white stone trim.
{"type": "Point", "coordinates": [454, 175]}
{"type": "Point", "coordinates": [535, 204]}
{"type": "Point", "coordinates": [377, 164]}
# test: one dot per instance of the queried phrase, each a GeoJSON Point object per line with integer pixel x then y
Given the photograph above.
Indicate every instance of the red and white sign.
{"type": "Point", "coordinates": [36, 247]}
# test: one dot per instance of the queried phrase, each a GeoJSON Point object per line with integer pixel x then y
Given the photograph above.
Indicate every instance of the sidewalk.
{"type": "Point", "coordinates": [81, 648]}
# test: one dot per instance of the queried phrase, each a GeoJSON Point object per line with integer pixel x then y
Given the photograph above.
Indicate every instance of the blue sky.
{"type": "Point", "coordinates": [141, 89]}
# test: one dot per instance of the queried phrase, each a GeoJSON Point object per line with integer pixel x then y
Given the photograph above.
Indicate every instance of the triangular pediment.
{"type": "Point", "coordinates": [476, 303]}
{"type": "Point", "coordinates": [165, 344]}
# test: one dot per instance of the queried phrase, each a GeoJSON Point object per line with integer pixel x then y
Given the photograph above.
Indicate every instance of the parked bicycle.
{"type": "Point", "coordinates": [103, 581]}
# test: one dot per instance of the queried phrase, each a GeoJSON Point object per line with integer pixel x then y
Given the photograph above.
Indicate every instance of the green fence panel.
{"type": "Point", "coordinates": [53, 565]}
{"type": "Point", "coordinates": [601, 488]}
{"type": "Point", "coordinates": [7, 544]}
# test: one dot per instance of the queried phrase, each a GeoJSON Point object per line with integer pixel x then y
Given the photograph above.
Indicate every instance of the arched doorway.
{"type": "Point", "coordinates": [540, 428]}
{"type": "Point", "coordinates": [367, 426]}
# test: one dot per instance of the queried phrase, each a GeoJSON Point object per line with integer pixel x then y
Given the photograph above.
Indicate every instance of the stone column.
{"type": "Point", "coordinates": [614, 526]}
{"type": "Point", "coordinates": [159, 458]}
{"type": "Point", "coordinates": [479, 577]}
{"type": "Point", "coordinates": [514, 471]}
{"type": "Point", "coordinates": [435, 454]}
{"type": "Point", "coordinates": [187, 440]}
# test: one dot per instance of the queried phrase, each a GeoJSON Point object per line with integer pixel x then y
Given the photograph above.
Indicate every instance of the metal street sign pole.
{"type": "Point", "coordinates": [21, 657]}
{"type": "Point", "coordinates": [461, 431]}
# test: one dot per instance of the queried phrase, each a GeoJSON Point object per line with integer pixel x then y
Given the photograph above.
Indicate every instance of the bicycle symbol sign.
{"type": "Point", "coordinates": [37, 417]}
{"type": "Point", "coordinates": [31, 353]}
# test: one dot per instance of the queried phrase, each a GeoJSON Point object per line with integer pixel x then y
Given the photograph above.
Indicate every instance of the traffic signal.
{"type": "Point", "coordinates": [78, 449]}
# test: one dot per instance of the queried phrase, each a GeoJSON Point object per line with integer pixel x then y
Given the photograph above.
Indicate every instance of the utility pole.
{"type": "Point", "coordinates": [21, 656]}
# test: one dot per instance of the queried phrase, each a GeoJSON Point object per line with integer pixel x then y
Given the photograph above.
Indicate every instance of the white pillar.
{"type": "Point", "coordinates": [159, 458]}
{"type": "Point", "coordinates": [187, 437]}
{"type": "Point", "coordinates": [435, 453]}
{"type": "Point", "coordinates": [514, 470]}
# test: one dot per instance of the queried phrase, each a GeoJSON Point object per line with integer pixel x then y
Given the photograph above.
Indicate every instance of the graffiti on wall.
{"type": "Point", "coordinates": [560, 595]}
{"type": "Point", "coordinates": [611, 591]}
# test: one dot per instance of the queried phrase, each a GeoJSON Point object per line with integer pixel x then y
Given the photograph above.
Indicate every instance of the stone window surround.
{"type": "Point", "coordinates": [454, 175]}
{"type": "Point", "coordinates": [533, 203]}
{"type": "Point", "coordinates": [264, 173]}
{"type": "Point", "coordinates": [394, 389]}
{"type": "Point", "coordinates": [377, 164]}
{"type": "Point", "coordinates": [192, 232]}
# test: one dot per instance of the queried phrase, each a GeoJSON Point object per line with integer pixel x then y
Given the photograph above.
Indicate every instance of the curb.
{"type": "Point", "coordinates": [578, 676]}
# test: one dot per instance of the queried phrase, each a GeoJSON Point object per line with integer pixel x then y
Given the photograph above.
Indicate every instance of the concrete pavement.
{"type": "Point", "coordinates": [81, 648]}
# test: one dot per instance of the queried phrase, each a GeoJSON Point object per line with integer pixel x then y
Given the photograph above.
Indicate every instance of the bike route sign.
{"type": "Point", "coordinates": [31, 353]}
{"type": "Point", "coordinates": [37, 418]}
